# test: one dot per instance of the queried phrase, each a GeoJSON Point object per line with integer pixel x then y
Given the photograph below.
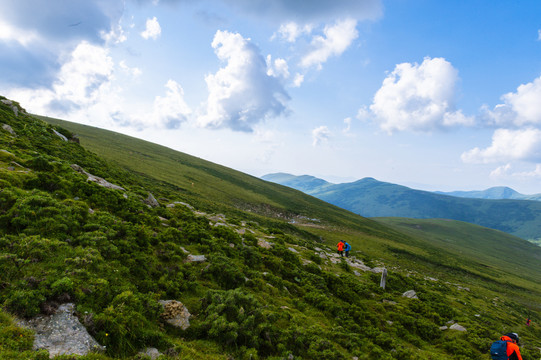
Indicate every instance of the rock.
{"type": "Point", "coordinates": [175, 314]}
{"type": "Point", "coordinates": [152, 353]}
{"type": "Point", "coordinates": [61, 333]}
{"type": "Point", "coordinates": [457, 327]}
{"type": "Point", "coordinates": [8, 128]}
{"type": "Point", "coordinates": [293, 250]}
{"type": "Point", "coordinates": [180, 203]}
{"type": "Point", "coordinates": [264, 243]}
{"type": "Point", "coordinates": [196, 258]}
{"type": "Point", "coordinates": [151, 201]}
{"type": "Point", "coordinates": [60, 135]}
{"type": "Point", "coordinates": [443, 328]}
{"type": "Point", "coordinates": [410, 294]}
{"type": "Point", "coordinates": [75, 139]}
{"type": "Point", "coordinates": [6, 102]}
{"type": "Point", "coordinates": [96, 179]}
{"type": "Point", "coordinates": [323, 256]}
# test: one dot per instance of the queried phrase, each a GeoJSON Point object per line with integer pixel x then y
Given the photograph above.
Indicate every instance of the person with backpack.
{"type": "Point", "coordinates": [340, 247]}
{"type": "Point", "coordinates": [347, 248]}
{"type": "Point", "coordinates": [506, 348]}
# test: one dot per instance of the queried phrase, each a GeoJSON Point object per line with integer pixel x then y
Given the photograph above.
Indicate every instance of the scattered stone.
{"type": "Point", "coordinates": [90, 211]}
{"type": "Point", "coordinates": [184, 250]}
{"type": "Point", "coordinates": [389, 322]}
{"type": "Point", "coordinates": [175, 314]}
{"type": "Point", "coordinates": [152, 353]}
{"type": "Point", "coordinates": [264, 243]}
{"type": "Point", "coordinates": [410, 294]}
{"type": "Point", "coordinates": [378, 270]}
{"type": "Point", "coordinates": [293, 250]}
{"type": "Point", "coordinates": [61, 333]}
{"type": "Point", "coordinates": [231, 245]}
{"type": "Point", "coordinates": [463, 288]}
{"type": "Point", "coordinates": [450, 322]}
{"type": "Point", "coordinates": [60, 135]}
{"type": "Point", "coordinates": [443, 328]}
{"type": "Point", "coordinates": [96, 179]}
{"type": "Point", "coordinates": [180, 203]}
{"type": "Point", "coordinates": [8, 128]}
{"type": "Point", "coordinates": [356, 273]}
{"type": "Point", "coordinates": [75, 139]}
{"type": "Point", "coordinates": [6, 102]}
{"type": "Point", "coordinates": [196, 258]}
{"type": "Point", "coordinates": [457, 327]}
{"type": "Point", "coordinates": [323, 256]}
{"type": "Point", "coordinates": [390, 302]}
{"type": "Point", "coordinates": [151, 201]}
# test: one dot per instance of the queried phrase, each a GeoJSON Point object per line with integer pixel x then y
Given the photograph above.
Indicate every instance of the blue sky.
{"type": "Point", "coordinates": [435, 95]}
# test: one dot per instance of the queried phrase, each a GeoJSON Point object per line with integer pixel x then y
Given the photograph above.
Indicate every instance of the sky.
{"type": "Point", "coordinates": [434, 95]}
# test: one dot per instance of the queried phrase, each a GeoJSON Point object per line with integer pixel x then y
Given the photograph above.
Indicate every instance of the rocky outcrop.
{"type": "Point", "coordinates": [9, 129]}
{"type": "Point", "coordinates": [196, 258]}
{"type": "Point", "coordinates": [98, 180]}
{"type": "Point", "coordinates": [11, 105]}
{"type": "Point", "coordinates": [175, 314]}
{"type": "Point", "coordinates": [151, 201]}
{"type": "Point", "coordinates": [410, 294]}
{"type": "Point", "coordinates": [60, 135]}
{"type": "Point", "coordinates": [61, 333]}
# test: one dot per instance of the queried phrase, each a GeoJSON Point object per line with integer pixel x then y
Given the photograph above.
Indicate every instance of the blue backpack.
{"type": "Point", "coordinates": [498, 350]}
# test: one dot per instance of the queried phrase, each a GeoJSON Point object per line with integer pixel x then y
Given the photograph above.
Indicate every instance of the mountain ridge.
{"type": "Point", "coordinates": [372, 198]}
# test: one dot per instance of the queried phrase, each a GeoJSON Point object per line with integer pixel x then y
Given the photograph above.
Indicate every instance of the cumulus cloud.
{"type": "Point", "coordinates": [153, 29]}
{"type": "Point", "coordinates": [336, 40]}
{"type": "Point", "coordinates": [298, 80]}
{"type": "Point", "coordinates": [134, 71]}
{"type": "Point", "coordinates": [242, 93]}
{"type": "Point", "coordinates": [86, 74]}
{"type": "Point", "coordinates": [34, 32]}
{"type": "Point", "coordinates": [519, 108]}
{"type": "Point", "coordinates": [170, 111]}
{"type": "Point", "coordinates": [419, 97]}
{"type": "Point", "coordinates": [320, 135]}
{"type": "Point", "coordinates": [500, 171]}
{"type": "Point", "coordinates": [508, 145]}
{"type": "Point", "coordinates": [291, 31]}
{"type": "Point", "coordinates": [278, 68]}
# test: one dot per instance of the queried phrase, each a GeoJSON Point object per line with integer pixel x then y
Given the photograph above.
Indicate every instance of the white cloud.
{"type": "Point", "coordinates": [10, 33]}
{"type": "Point", "coordinates": [278, 68]}
{"type": "Point", "coordinates": [336, 40]}
{"type": "Point", "coordinates": [500, 171]}
{"type": "Point", "coordinates": [171, 110]}
{"type": "Point", "coordinates": [539, 35]}
{"type": "Point", "coordinates": [536, 173]}
{"type": "Point", "coordinates": [115, 36]}
{"type": "Point", "coordinates": [347, 121]}
{"type": "Point", "coordinates": [152, 30]}
{"type": "Point", "coordinates": [419, 97]}
{"type": "Point", "coordinates": [320, 135]}
{"type": "Point", "coordinates": [508, 145]}
{"type": "Point", "coordinates": [133, 72]}
{"type": "Point", "coordinates": [241, 94]}
{"type": "Point", "coordinates": [519, 108]}
{"type": "Point", "coordinates": [298, 80]}
{"type": "Point", "coordinates": [291, 31]}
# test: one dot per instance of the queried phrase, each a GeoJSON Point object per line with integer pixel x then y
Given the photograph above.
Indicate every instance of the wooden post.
{"type": "Point", "coordinates": [383, 279]}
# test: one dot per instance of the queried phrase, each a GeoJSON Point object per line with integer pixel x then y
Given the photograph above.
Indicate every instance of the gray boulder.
{"type": "Point", "coordinates": [151, 201]}
{"type": "Point", "coordinates": [175, 314]}
{"type": "Point", "coordinates": [96, 179]}
{"type": "Point", "coordinates": [410, 294]}
{"type": "Point", "coordinates": [457, 327]}
{"type": "Point", "coordinates": [8, 128]}
{"type": "Point", "coordinates": [62, 333]}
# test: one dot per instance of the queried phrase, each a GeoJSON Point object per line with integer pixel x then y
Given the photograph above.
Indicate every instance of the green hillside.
{"type": "Point", "coordinates": [372, 198]}
{"type": "Point", "coordinates": [269, 286]}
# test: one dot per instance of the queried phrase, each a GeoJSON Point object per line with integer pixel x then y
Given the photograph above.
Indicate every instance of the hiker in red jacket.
{"type": "Point", "coordinates": [340, 247]}
{"type": "Point", "coordinates": [512, 349]}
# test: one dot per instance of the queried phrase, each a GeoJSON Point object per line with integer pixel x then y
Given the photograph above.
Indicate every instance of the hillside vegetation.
{"type": "Point", "coordinates": [271, 286]}
{"type": "Point", "coordinates": [372, 198]}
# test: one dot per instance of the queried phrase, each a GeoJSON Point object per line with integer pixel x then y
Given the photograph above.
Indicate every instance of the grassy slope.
{"type": "Point", "coordinates": [216, 188]}
{"type": "Point", "coordinates": [241, 190]}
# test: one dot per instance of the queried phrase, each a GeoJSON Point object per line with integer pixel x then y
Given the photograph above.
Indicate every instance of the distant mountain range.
{"type": "Point", "coordinates": [499, 208]}
{"type": "Point", "coordinates": [495, 193]}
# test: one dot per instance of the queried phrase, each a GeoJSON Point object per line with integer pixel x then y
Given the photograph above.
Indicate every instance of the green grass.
{"type": "Point", "coordinates": [248, 302]}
